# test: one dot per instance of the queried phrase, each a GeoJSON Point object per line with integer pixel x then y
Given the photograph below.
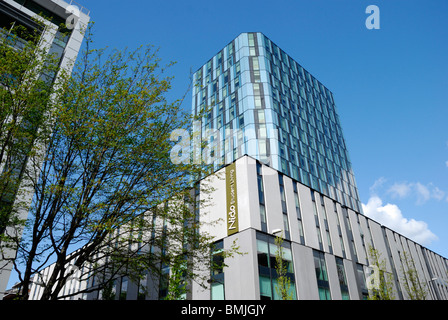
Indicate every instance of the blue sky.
{"type": "Point", "coordinates": [390, 84]}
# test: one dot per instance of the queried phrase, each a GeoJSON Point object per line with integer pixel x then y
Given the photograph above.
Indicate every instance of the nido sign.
{"type": "Point", "coordinates": [232, 201]}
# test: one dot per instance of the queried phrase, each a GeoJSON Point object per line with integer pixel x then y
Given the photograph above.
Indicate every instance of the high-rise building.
{"type": "Point", "coordinates": [261, 102]}
{"type": "Point", "coordinates": [59, 25]}
{"type": "Point", "coordinates": [282, 170]}
{"type": "Point", "coordinates": [275, 129]}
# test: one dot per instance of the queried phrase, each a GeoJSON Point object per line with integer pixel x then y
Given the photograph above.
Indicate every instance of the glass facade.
{"type": "Point", "coordinates": [217, 276]}
{"type": "Point", "coordinates": [342, 279]}
{"type": "Point", "coordinates": [362, 281]}
{"type": "Point", "coordinates": [321, 275]}
{"type": "Point", "coordinates": [254, 99]}
{"type": "Point", "coordinates": [267, 251]}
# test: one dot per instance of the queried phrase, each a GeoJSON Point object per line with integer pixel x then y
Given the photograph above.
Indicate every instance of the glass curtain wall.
{"type": "Point", "coordinates": [321, 275]}
{"type": "Point", "coordinates": [267, 251]}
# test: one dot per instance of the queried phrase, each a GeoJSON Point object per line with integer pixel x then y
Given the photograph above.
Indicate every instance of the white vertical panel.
{"type": "Point", "coordinates": [352, 282]}
{"type": "Point", "coordinates": [241, 274]}
{"type": "Point", "coordinates": [344, 231]}
{"type": "Point", "coordinates": [361, 253]}
{"type": "Point", "coordinates": [333, 227]}
{"type": "Point", "coordinates": [291, 207]}
{"type": "Point", "coordinates": [213, 212]}
{"type": "Point", "coordinates": [274, 215]}
{"type": "Point", "coordinates": [248, 203]}
{"type": "Point", "coordinates": [309, 224]}
{"type": "Point", "coordinates": [306, 282]}
{"type": "Point", "coordinates": [333, 277]}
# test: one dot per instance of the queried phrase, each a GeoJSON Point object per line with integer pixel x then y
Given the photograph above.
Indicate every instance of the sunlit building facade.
{"type": "Point", "coordinates": [261, 102]}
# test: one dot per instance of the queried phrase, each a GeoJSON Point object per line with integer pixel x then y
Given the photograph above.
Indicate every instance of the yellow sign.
{"type": "Point", "coordinates": [232, 200]}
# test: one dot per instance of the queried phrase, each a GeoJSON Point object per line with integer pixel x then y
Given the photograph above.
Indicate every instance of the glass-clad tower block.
{"type": "Point", "coordinates": [253, 98]}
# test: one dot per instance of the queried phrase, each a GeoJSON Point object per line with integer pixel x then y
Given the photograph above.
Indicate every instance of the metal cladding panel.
{"type": "Point", "coordinates": [340, 215]}
{"type": "Point", "coordinates": [248, 202]}
{"type": "Point", "coordinates": [241, 273]}
{"type": "Point", "coordinates": [274, 214]}
{"type": "Point", "coordinates": [309, 224]}
{"type": "Point", "coordinates": [305, 272]}
{"type": "Point", "coordinates": [356, 230]}
{"type": "Point", "coordinates": [291, 207]}
{"type": "Point", "coordinates": [380, 242]}
{"type": "Point", "coordinates": [352, 282]}
{"type": "Point", "coordinates": [333, 277]}
{"type": "Point", "coordinates": [214, 206]}
{"type": "Point", "coordinates": [333, 227]}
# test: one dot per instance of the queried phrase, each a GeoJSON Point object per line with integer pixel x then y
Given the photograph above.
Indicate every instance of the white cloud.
{"type": "Point", "coordinates": [446, 163]}
{"type": "Point", "coordinates": [377, 184]}
{"type": "Point", "coordinates": [438, 194]}
{"type": "Point", "coordinates": [391, 216]}
{"type": "Point", "coordinates": [400, 190]}
{"type": "Point", "coordinates": [422, 193]}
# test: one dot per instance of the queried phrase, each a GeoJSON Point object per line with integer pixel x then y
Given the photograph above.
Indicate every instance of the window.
{"type": "Point", "coordinates": [164, 280]}
{"type": "Point", "coordinates": [324, 213]}
{"type": "Point", "coordinates": [339, 229]}
{"type": "Point", "coordinates": [142, 288]}
{"type": "Point", "coordinates": [362, 281]}
{"type": "Point", "coordinates": [282, 193]}
{"type": "Point", "coordinates": [112, 293]}
{"type": "Point", "coordinates": [342, 278]}
{"type": "Point", "coordinates": [350, 234]}
{"type": "Point", "coordinates": [263, 218]}
{"type": "Point", "coordinates": [267, 251]}
{"type": "Point", "coordinates": [217, 272]}
{"type": "Point", "coordinates": [257, 77]}
{"type": "Point", "coordinates": [252, 50]}
{"type": "Point", "coordinates": [321, 275]}
{"type": "Point", "coordinates": [316, 219]}
{"type": "Point", "coordinates": [284, 207]}
{"type": "Point", "coordinates": [261, 198]}
{"type": "Point", "coordinates": [124, 288]}
{"type": "Point", "coordinates": [251, 39]}
{"type": "Point", "coordinates": [297, 201]}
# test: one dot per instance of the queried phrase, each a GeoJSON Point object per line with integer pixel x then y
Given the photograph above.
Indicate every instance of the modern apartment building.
{"type": "Point", "coordinates": [59, 25]}
{"type": "Point", "coordinates": [279, 114]}
{"type": "Point", "coordinates": [273, 135]}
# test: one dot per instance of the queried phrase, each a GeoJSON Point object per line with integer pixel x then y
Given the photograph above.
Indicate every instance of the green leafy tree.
{"type": "Point", "coordinates": [30, 81]}
{"type": "Point", "coordinates": [177, 284]}
{"type": "Point", "coordinates": [411, 282]}
{"type": "Point", "coordinates": [283, 287]}
{"type": "Point", "coordinates": [108, 291]}
{"type": "Point", "coordinates": [105, 188]}
{"type": "Point", "coordinates": [381, 281]}
{"type": "Point", "coordinates": [191, 254]}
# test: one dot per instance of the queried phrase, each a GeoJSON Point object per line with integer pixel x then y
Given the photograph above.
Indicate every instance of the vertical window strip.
{"type": "Point", "coordinates": [261, 198]}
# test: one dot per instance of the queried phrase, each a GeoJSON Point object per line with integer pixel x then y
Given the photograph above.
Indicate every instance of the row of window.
{"type": "Point", "coordinates": [321, 232]}
{"type": "Point", "coordinates": [330, 169]}
{"type": "Point", "coordinates": [267, 283]}
{"type": "Point", "coordinates": [268, 255]}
